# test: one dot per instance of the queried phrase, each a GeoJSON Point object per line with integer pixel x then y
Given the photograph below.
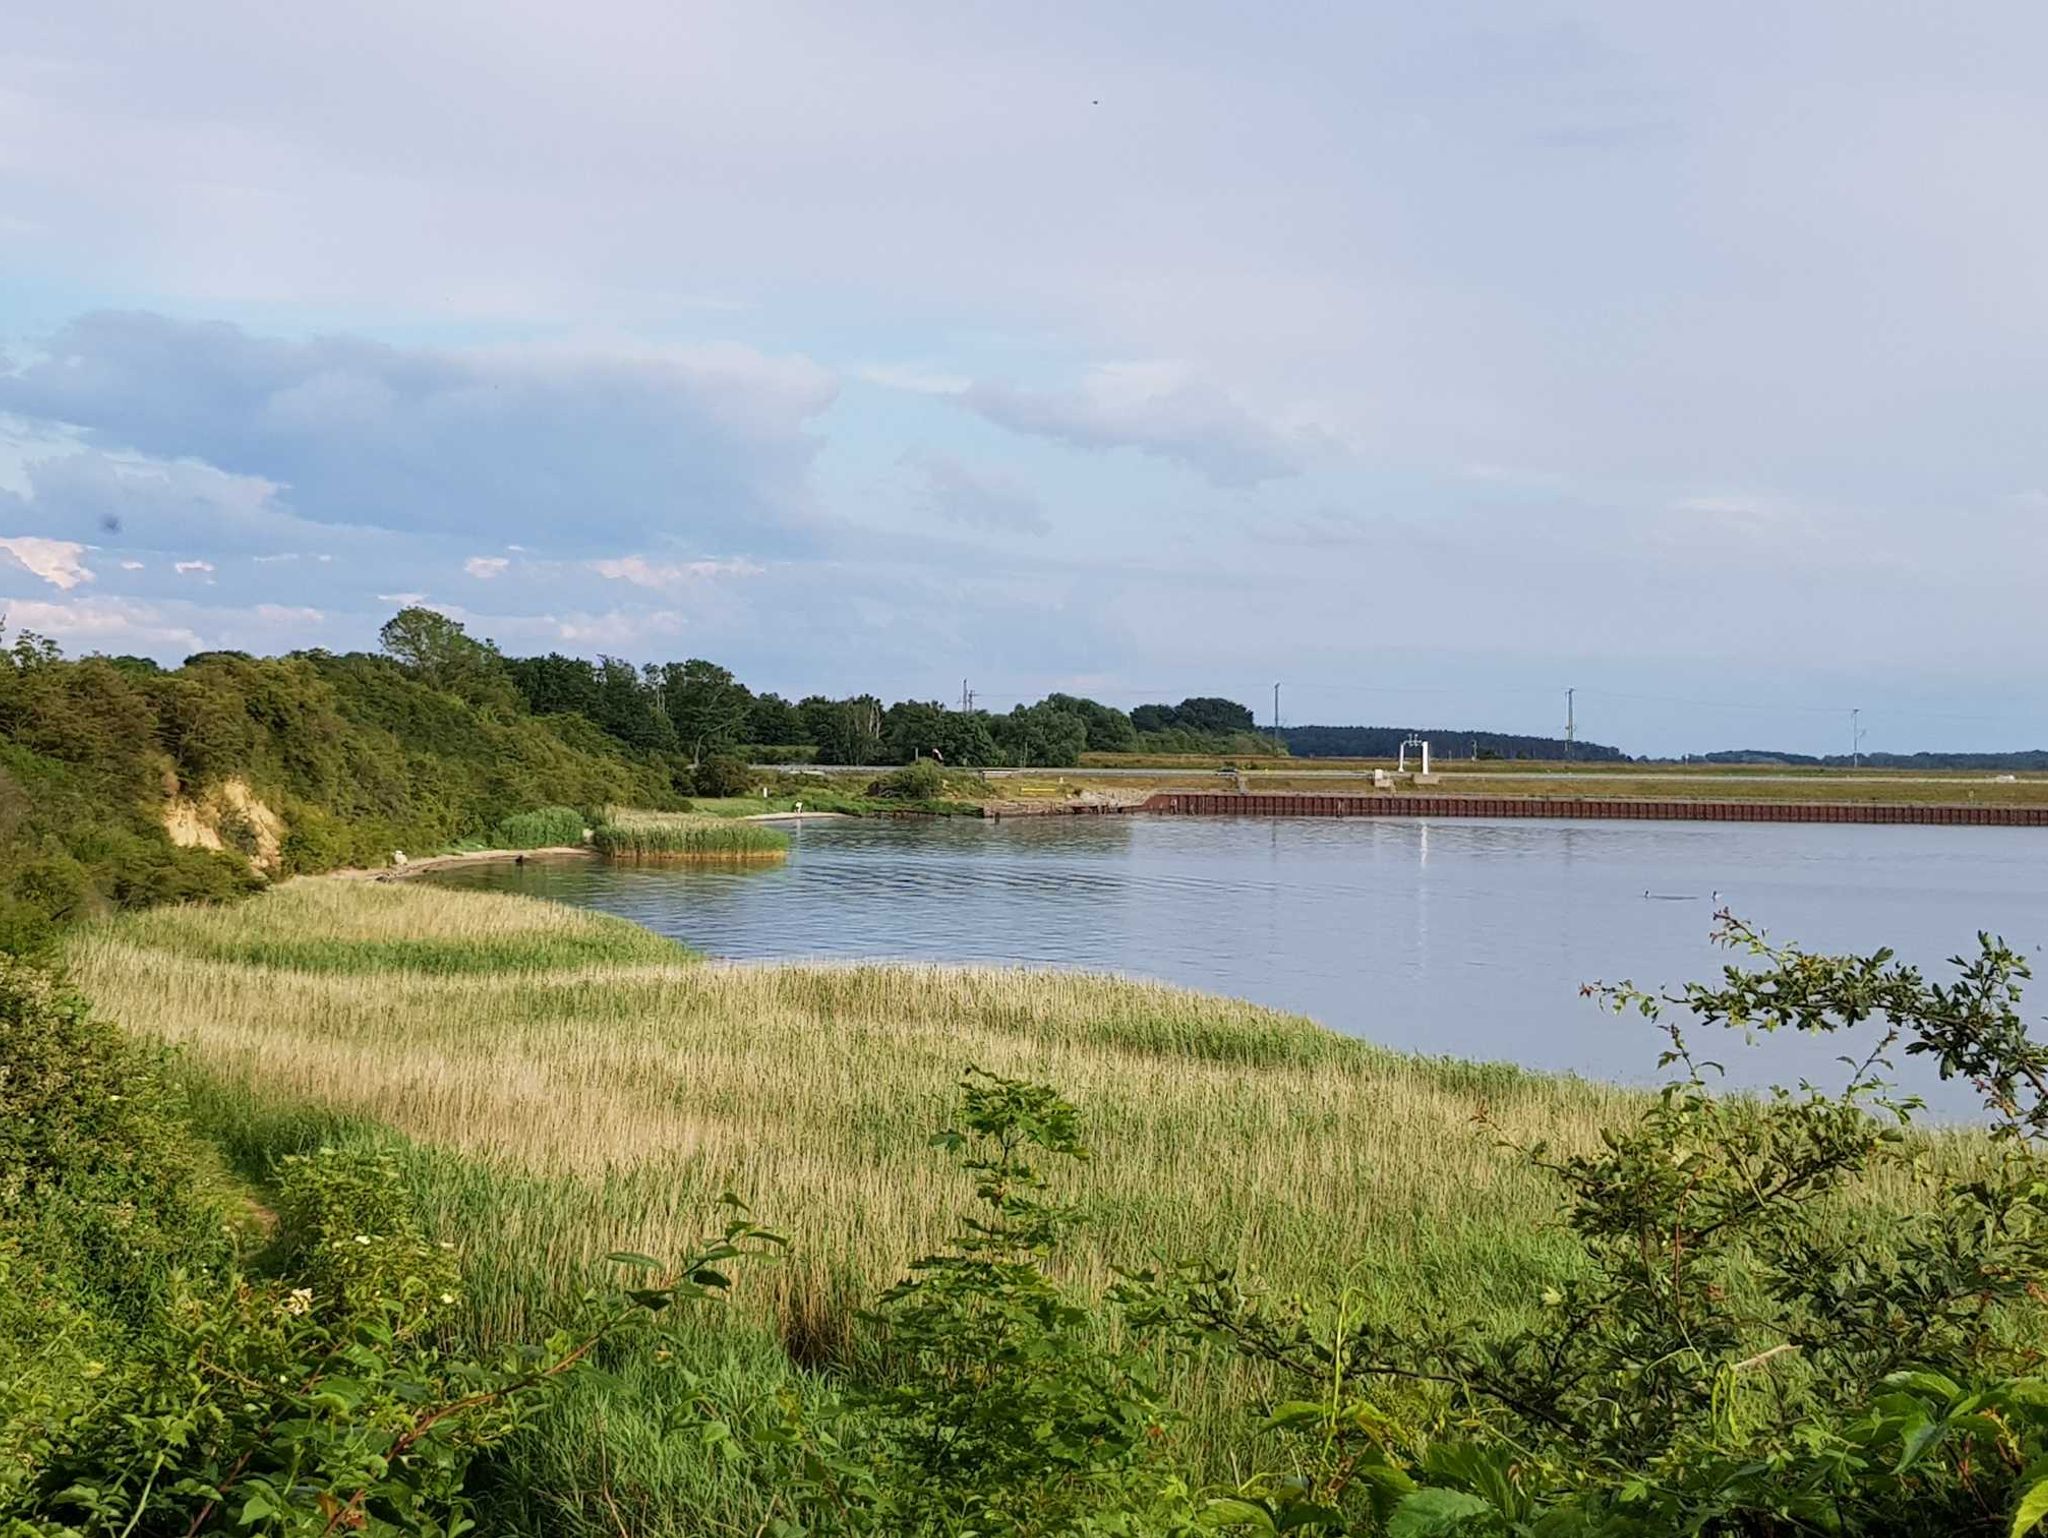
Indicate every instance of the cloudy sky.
{"type": "Point", "coordinates": [1427, 359]}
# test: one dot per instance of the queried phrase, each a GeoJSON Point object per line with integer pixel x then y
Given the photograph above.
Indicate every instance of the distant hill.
{"type": "Point", "coordinates": [2026, 758]}
{"type": "Point", "coordinates": [1385, 742]}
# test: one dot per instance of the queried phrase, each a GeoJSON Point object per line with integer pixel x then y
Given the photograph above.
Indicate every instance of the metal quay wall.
{"type": "Point", "coordinates": [1187, 803]}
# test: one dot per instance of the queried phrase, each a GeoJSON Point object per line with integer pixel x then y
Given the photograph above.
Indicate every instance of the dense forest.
{"type": "Point", "coordinates": [1385, 742]}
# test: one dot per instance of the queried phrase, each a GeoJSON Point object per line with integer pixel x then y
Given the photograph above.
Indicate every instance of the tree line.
{"type": "Point", "coordinates": [1385, 742]}
{"type": "Point", "coordinates": [700, 710]}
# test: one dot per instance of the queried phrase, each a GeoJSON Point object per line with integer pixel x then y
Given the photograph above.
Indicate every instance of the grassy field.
{"type": "Point", "coordinates": [1549, 781]}
{"type": "Point", "coordinates": [560, 1085]}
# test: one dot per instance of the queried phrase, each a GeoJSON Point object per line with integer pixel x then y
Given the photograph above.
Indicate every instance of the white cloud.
{"type": "Point", "coordinates": [117, 624]}
{"type": "Point", "coordinates": [485, 567]}
{"type": "Point", "coordinates": [185, 568]}
{"type": "Point", "coordinates": [59, 562]}
{"type": "Point", "coordinates": [619, 628]}
{"type": "Point", "coordinates": [641, 572]}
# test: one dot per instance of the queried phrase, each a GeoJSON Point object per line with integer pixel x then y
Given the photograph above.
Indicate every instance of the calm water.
{"type": "Point", "coordinates": [1469, 938]}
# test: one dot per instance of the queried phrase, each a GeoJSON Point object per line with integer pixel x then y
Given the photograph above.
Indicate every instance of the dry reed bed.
{"type": "Point", "coordinates": [604, 1100]}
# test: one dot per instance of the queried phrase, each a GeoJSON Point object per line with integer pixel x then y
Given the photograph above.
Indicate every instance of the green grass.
{"type": "Point", "coordinates": [323, 927]}
{"type": "Point", "coordinates": [625, 834]}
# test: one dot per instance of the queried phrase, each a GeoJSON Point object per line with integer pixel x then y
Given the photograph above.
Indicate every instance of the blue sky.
{"type": "Point", "coordinates": [1428, 360]}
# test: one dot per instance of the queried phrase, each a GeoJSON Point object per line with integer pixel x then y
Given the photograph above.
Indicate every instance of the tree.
{"type": "Point", "coordinates": [556, 685]}
{"type": "Point", "coordinates": [706, 705]}
{"type": "Point", "coordinates": [1206, 713]}
{"type": "Point", "coordinates": [438, 651]}
{"type": "Point", "coordinates": [629, 706]}
{"type": "Point", "coordinates": [773, 722]}
{"type": "Point", "coordinates": [1041, 735]}
{"type": "Point", "coordinates": [1109, 729]}
{"type": "Point", "coordinates": [846, 731]}
{"type": "Point", "coordinates": [913, 729]}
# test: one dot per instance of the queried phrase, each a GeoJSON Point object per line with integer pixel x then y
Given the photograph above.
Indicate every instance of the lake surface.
{"type": "Point", "coordinates": [1461, 937]}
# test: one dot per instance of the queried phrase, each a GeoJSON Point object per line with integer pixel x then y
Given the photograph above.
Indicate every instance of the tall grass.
{"type": "Point", "coordinates": [319, 927]}
{"type": "Point", "coordinates": [548, 827]}
{"type": "Point", "coordinates": [602, 1092]}
{"type": "Point", "coordinates": [636, 835]}
{"type": "Point", "coordinates": [594, 1089]}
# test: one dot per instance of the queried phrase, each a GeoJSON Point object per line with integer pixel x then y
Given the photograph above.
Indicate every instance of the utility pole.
{"type": "Point", "coordinates": [1571, 725]}
{"type": "Point", "coordinates": [1276, 718]}
{"type": "Point", "coordinates": [1855, 738]}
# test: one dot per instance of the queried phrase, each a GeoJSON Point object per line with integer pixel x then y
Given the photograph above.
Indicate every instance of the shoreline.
{"type": "Point", "coordinates": [433, 862]}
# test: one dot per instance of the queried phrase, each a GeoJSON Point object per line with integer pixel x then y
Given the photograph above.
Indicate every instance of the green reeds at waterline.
{"type": "Point", "coordinates": [547, 827]}
{"type": "Point", "coordinates": [631, 835]}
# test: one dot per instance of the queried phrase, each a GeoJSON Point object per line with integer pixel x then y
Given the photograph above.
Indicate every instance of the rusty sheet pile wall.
{"type": "Point", "coordinates": [1256, 804]}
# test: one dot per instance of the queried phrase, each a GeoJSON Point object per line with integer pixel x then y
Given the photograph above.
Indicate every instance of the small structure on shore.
{"type": "Point", "coordinates": [1421, 744]}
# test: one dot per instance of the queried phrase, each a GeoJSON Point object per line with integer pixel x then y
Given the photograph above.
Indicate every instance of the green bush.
{"type": "Point", "coordinates": [155, 1379]}
{"type": "Point", "coordinates": [1747, 1344]}
{"type": "Point", "coordinates": [722, 775]}
{"type": "Point", "coordinates": [100, 1183]}
{"type": "Point", "coordinates": [547, 828]}
{"type": "Point", "coordinates": [920, 781]}
{"type": "Point", "coordinates": [994, 1405]}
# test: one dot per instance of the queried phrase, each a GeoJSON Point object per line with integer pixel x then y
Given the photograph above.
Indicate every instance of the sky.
{"type": "Point", "coordinates": [1426, 360]}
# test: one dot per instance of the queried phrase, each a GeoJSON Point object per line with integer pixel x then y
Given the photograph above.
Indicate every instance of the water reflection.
{"type": "Point", "coordinates": [1462, 937]}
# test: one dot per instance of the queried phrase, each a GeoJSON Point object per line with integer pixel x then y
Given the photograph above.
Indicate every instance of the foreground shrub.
{"type": "Point", "coordinates": [156, 1380]}
{"type": "Point", "coordinates": [993, 1404]}
{"type": "Point", "coordinates": [1750, 1344]}
{"type": "Point", "coordinates": [104, 1198]}
{"type": "Point", "coordinates": [101, 1185]}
